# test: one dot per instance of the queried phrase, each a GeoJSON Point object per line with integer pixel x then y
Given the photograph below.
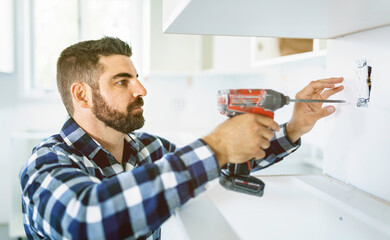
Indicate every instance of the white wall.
{"type": "Point", "coordinates": [183, 107]}
{"type": "Point", "coordinates": [357, 149]}
{"type": "Point", "coordinates": [7, 118]}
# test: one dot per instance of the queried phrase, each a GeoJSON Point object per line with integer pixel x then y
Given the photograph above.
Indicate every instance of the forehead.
{"type": "Point", "coordinates": [115, 64]}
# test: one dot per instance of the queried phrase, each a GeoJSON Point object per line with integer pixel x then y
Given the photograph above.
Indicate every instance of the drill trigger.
{"type": "Point", "coordinates": [249, 165]}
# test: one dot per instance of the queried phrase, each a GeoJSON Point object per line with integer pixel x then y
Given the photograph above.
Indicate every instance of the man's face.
{"type": "Point", "coordinates": [118, 101]}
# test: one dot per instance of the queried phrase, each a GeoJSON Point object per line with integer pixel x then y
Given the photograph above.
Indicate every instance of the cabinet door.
{"type": "Point", "coordinates": [284, 18]}
{"type": "Point", "coordinates": [174, 52]}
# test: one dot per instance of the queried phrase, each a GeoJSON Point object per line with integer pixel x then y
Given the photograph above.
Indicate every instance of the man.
{"type": "Point", "coordinates": [98, 179]}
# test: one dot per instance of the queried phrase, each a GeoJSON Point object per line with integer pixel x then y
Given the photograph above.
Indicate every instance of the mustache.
{"type": "Point", "coordinates": [138, 102]}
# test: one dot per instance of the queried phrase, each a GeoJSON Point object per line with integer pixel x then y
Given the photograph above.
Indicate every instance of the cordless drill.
{"type": "Point", "coordinates": [232, 102]}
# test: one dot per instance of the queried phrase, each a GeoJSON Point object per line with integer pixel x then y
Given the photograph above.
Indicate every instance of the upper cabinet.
{"type": "Point", "coordinates": [322, 19]}
{"type": "Point", "coordinates": [171, 53]}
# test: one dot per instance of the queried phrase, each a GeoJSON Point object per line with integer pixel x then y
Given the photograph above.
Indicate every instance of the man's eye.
{"type": "Point", "coordinates": [122, 82]}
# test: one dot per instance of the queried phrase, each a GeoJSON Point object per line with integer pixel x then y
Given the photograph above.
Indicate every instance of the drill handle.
{"type": "Point", "coordinates": [241, 168]}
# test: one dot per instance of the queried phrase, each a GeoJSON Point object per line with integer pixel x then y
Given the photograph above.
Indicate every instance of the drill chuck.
{"type": "Point", "coordinates": [273, 100]}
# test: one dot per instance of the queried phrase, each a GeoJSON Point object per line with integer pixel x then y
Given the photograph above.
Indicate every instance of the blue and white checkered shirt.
{"type": "Point", "coordinates": [72, 188]}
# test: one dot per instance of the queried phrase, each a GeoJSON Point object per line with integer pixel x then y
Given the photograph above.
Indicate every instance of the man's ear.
{"type": "Point", "coordinates": [81, 94]}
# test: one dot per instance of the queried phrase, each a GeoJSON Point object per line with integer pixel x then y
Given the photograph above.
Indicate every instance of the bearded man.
{"type": "Point", "coordinates": [99, 179]}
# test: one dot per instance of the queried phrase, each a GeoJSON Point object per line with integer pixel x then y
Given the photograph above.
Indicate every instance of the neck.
{"type": "Point", "coordinates": [109, 138]}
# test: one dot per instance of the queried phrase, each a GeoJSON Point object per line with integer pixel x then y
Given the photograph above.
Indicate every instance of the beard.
{"type": "Point", "coordinates": [122, 122]}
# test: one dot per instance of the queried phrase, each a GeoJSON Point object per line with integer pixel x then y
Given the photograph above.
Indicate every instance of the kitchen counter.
{"type": "Point", "coordinates": [293, 207]}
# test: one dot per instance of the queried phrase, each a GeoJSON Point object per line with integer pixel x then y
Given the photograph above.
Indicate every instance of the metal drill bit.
{"type": "Point", "coordinates": [317, 101]}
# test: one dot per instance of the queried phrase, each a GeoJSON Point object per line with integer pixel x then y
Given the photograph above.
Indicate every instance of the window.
{"type": "Point", "coordinates": [7, 36]}
{"type": "Point", "coordinates": [54, 27]}
{"type": "Point", "coordinates": [56, 24]}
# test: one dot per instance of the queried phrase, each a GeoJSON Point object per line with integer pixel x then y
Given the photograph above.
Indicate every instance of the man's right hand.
{"type": "Point", "coordinates": [241, 138]}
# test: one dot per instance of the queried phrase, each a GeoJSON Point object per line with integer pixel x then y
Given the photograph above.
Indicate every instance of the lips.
{"type": "Point", "coordinates": [136, 108]}
{"type": "Point", "coordinates": [136, 105]}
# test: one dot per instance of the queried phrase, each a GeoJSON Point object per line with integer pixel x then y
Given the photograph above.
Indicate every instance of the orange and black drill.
{"type": "Point", "coordinates": [232, 102]}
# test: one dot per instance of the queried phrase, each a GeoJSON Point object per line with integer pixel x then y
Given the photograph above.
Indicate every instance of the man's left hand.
{"type": "Point", "coordinates": [306, 115]}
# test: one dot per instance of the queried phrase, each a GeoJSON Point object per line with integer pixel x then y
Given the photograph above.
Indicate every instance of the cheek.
{"type": "Point", "coordinates": [118, 102]}
{"type": "Point", "coordinates": [109, 99]}
{"type": "Point", "coordinates": [116, 98]}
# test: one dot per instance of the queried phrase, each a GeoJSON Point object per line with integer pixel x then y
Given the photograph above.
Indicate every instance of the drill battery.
{"type": "Point", "coordinates": [236, 177]}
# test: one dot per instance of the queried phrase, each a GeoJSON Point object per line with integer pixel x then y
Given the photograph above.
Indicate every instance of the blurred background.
{"type": "Point", "coordinates": [181, 73]}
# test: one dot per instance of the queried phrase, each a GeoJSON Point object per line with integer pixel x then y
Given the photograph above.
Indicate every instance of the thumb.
{"type": "Point", "coordinates": [326, 111]}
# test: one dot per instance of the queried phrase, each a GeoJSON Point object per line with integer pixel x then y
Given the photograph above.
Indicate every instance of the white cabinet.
{"type": "Point", "coordinates": [283, 18]}
{"type": "Point", "coordinates": [171, 53]}
{"type": "Point", "coordinates": [189, 53]}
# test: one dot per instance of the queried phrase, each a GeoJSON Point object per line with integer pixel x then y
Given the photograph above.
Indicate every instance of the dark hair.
{"type": "Point", "coordinates": [80, 63]}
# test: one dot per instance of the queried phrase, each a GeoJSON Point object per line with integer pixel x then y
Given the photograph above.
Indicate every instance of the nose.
{"type": "Point", "coordinates": [139, 90]}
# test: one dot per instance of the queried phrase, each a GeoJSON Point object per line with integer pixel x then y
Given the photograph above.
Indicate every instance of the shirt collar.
{"type": "Point", "coordinates": [77, 138]}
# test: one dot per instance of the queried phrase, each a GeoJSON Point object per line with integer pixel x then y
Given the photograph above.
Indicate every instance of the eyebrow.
{"type": "Point", "coordinates": [123, 75]}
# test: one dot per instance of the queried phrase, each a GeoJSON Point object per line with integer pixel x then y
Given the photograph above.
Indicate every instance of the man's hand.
{"type": "Point", "coordinates": [241, 138]}
{"type": "Point", "coordinates": [306, 115]}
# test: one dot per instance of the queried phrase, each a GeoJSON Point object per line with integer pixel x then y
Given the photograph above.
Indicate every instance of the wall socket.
{"type": "Point", "coordinates": [363, 86]}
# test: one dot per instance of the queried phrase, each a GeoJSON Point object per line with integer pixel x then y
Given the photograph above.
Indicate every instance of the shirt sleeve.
{"type": "Point", "coordinates": [62, 201]}
{"type": "Point", "coordinates": [280, 147]}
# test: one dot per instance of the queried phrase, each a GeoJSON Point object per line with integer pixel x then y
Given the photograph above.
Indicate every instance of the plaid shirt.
{"type": "Point", "coordinates": [72, 188]}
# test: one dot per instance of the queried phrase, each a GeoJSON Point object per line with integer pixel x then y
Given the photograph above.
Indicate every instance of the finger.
{"type": "Point", "coordinates": [267, 122]}
{"type": "Point", "coordinates": [332, 80]}
{"type": "Point", "coordinates": [327, 93]}
{"type": "Point", "coordinates": [326, 111]}
{"type": "Point", "coordinates": [319, 85]}
{"type": "Point", "coordinates": [264, 143]}
{"type": "Point", "coordinates": [316, 86]}
{"type": "Point", "coordinates": [311, 90]}
{"type": "Point", "coordinates": [266, 133]}
{"type": "Point", "coordinates": [327, 83]}
{"type": "Point", "coordinates": [260, 154]}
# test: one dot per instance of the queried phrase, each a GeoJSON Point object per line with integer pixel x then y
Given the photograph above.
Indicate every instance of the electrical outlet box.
{"type": "Point", "coordinates": [363, 87]}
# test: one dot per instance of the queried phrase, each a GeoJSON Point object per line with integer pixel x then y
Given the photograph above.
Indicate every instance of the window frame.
{"type": "Point", "coordinates": [31, 91]}
{"type": "Point", "coordinates": [12, 36]}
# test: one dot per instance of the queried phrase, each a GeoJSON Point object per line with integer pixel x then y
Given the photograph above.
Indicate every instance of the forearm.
{"type": "Point", "coordinates": [141, 199]}
{"type": "Point", "coordinates": [292, 132]}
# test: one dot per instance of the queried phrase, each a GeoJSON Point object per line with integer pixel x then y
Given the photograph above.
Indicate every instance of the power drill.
{"type": "Point", "coordinates": [232, 102]}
